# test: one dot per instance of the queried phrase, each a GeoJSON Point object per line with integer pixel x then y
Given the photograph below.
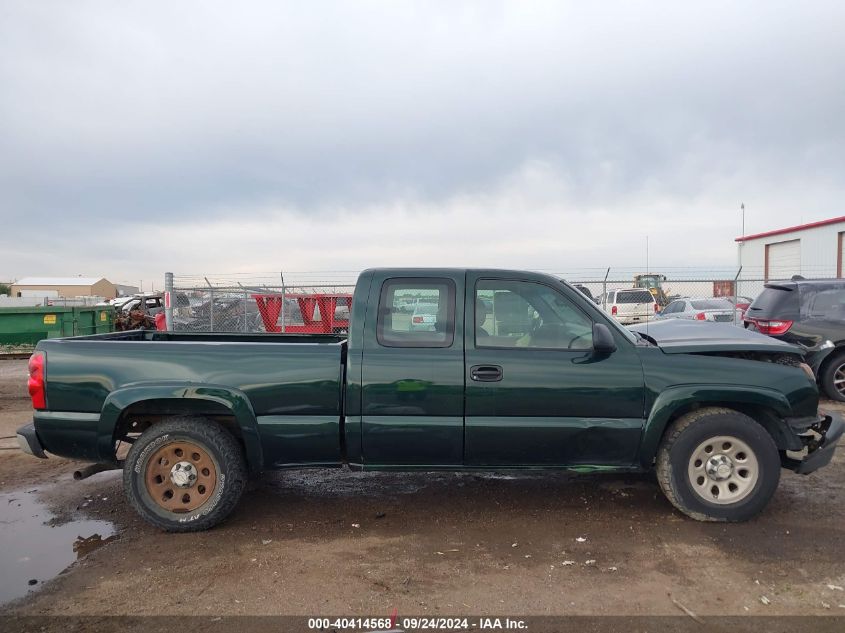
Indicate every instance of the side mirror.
{"type": "Point", "coordinates": [603, 342]}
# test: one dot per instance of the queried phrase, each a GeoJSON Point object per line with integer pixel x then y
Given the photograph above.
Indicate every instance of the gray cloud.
{"type": "Point", "coordinates": [118, 117]}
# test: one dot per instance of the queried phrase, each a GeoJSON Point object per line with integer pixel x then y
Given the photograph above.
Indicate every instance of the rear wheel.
{"type": "Point", "coordinates": [717, 464]}
{"type": "Point", "coordinates": [833, 377]}
{"type": "Point", "coordinates": [185, 474]}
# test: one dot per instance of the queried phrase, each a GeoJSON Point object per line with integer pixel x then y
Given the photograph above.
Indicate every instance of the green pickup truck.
{"type": "Point", "coordinates": [450, 369]}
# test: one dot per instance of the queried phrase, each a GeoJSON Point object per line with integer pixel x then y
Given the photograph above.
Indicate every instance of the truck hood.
{"type": "Point", "coordinates": [678, 336]}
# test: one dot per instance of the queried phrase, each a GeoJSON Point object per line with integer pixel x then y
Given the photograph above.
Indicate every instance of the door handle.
{"type": "Point", "coordinates": [486, 373]}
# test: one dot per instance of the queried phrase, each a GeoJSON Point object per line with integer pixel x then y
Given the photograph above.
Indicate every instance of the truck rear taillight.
{"type": "Point", "coordinates": [656, 308]}
{"type": "Point", "coordinates": [772, 328]}
{"type": "Point", "coordinates": [613, 310]}
{"type": "Point", "coordinates": [417, 319]}
{"type": "Point", "coordinates": [700, 316]}
{"type": "Point", "coordinates": [35, 384]}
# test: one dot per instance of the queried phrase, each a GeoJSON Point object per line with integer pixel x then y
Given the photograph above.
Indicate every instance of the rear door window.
{"type": "Point", "coordinates": [826, 304]}
{"type": "Point", "coordinates": [416, 312]}
{"type": "Point", "coordinates": [675, 306]}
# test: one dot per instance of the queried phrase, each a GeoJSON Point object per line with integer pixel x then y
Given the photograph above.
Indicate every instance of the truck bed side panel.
{"type": "Point", "coordinates": [294, 388]}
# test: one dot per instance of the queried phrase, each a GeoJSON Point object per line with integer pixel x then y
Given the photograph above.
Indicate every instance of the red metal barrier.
{"type": "Point", "coordinates": [318, 313]}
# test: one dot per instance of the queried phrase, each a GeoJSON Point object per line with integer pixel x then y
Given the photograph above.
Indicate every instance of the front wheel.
{"type": "Point", "coordinates": [185, 474]}
{"type": "Point", "coordinates": [716, 464]}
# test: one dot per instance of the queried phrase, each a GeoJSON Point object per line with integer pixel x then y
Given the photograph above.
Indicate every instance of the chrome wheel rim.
{"type": "Point", "coordinates": [723, 470]}
{"type": "Point", "coordinates": [839, 379]}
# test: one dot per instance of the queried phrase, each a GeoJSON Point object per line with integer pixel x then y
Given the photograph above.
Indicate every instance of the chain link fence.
{"type": "Point", "coordinates": [302, 308]}
{"type": "Point", "coordinates": [320, 302]}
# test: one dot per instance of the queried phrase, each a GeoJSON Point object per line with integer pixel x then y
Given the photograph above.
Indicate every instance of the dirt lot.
{"type": "Point", "coordinates": [337, 542]}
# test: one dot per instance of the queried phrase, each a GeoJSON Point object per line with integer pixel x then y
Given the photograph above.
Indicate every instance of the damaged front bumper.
{"type": "Point", "coordinates": [820, 436]}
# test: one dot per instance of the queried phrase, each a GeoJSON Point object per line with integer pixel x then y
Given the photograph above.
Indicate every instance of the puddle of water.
{"type": "Point", "coordinates": [34, 550]}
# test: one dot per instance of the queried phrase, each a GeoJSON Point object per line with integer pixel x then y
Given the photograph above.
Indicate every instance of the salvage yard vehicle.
{"type": "Point", "coordinates": [716, 309]}
{"type": "Point", "coordinates": [631, 305]}
{"type": "Point", "coordinates": [151, 303]}
{"type": "Point", "coordinates": [519, 371]}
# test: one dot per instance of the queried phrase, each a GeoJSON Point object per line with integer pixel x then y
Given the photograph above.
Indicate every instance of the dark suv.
{"type": "Point", "coordinates": [809, 313]}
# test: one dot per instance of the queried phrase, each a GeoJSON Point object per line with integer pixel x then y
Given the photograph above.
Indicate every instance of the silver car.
{"type": "Point", "coordinates": [715, 309]}
{"type": "Point", "coordinates": [424, 317]}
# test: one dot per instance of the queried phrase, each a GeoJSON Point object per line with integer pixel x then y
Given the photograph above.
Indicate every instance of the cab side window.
{"type": "Point", "coordinates": [416, 312]}
{"type": "Point", "coordinates": [527, 314]}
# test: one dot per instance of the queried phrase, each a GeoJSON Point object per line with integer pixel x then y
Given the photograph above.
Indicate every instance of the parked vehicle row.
{"type": "Point", "coordinates": [806, 313]}
{"type": "Point", "coordinates": [630, 306]}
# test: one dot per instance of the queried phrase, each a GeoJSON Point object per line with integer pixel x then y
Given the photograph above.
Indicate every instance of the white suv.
{"type": "Point", "coordinates": [630, 305]}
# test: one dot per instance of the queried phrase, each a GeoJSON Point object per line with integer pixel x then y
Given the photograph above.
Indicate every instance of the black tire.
{"type": "Point", "coordinates": [832, 366]}
{"type": "Point", "coordinates": [219, 451]}
{"type": "Point", "coordinates": [676, 462]}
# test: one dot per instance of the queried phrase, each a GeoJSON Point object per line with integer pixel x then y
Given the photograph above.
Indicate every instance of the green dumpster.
{"type": "Point", "coordinates": [27, 326]}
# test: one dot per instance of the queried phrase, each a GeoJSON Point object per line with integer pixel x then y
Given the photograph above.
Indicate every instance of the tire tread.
{"type": "Point", "coordinates": [827, 374]}
{"type": "Point", "coordinates": [216, 436]}
{"type": "Point", "coordinates": [663, 464]}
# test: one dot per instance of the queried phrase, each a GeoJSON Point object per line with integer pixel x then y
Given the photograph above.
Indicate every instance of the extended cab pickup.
{"type": "Point", "coordinates": [514, 370]}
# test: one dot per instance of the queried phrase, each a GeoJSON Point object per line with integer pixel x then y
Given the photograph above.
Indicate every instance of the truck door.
{"type": "Point", "coordinates": [536, 394]}
{"type": "Point", "coordinates": [412, 375]}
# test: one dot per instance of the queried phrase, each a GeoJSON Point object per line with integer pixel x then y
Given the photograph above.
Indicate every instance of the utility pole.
{"type": "Point", "coordinates": [741, 249]}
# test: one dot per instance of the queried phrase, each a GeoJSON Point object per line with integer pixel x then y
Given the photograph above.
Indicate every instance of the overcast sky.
{"type": "Point", "coordinates": [223, 137]}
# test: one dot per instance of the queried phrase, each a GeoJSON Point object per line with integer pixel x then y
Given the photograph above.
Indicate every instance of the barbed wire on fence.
{"type": "Point", "coordinates": [593, 273]}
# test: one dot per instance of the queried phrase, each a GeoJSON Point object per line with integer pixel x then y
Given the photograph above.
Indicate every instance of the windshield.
{"type": "Point", "coordinates": [600, 316]}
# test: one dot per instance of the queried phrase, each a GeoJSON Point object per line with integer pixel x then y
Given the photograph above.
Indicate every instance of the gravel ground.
{"type": "Point", "coordinates": [322, 542]}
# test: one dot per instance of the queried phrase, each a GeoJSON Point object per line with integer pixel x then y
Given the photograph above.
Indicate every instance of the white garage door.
{"type": "Point", "coordinates": [783, 259]}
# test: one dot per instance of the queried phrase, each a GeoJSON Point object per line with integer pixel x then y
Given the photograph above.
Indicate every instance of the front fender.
{"type": "Point", "coordinates": [233, 399]}
{"type": "Point", "coordinates": [675, 398]}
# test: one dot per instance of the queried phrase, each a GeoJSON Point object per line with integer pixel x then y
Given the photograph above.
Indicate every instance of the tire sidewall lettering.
{"type": "Point", "coordinates": [142, 458]}
{"type": "Point", "coordinates": [210, 505]}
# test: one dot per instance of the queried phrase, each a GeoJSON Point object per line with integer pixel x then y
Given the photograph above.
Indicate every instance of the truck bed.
{"type": "Point", "coordinates": [293, 383]}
